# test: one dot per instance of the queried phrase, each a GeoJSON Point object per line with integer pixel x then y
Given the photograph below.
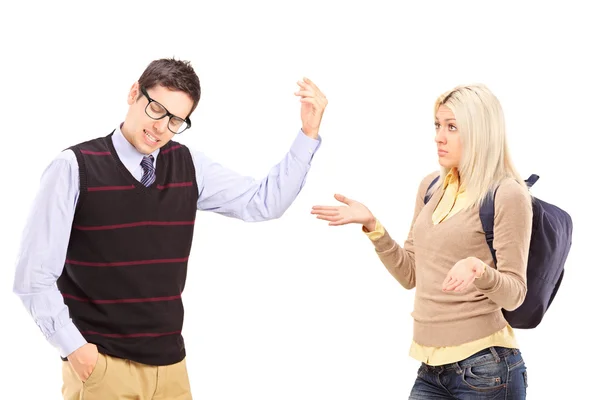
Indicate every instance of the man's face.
{"type": "Point", "coordinates": [144, 132]}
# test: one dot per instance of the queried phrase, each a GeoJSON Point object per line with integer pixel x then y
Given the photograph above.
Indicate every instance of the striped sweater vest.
{"type": "Point", "coordinates": [126, 262]}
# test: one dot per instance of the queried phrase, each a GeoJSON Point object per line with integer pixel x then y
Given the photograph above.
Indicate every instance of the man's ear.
{"type": "Point", "coordinates": [134, 93]}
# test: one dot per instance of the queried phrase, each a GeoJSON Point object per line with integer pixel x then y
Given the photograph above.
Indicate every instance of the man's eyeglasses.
{"type": "Point", "coordinates": [157, 111]}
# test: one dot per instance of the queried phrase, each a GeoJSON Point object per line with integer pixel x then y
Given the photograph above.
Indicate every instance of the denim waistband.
{"type": "Point", "coordinates": [493, 354]}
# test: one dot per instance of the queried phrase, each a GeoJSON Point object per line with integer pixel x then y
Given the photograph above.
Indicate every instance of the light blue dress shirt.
{"type": "Point", "coordinates": [46, 235]}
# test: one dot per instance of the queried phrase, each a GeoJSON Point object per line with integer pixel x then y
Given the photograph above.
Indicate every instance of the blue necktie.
{"type": "Point", "coordinates": [148, 166]}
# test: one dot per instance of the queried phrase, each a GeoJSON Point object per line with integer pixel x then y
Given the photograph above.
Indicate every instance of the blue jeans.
{"type": "Point", "coordinates": [493, 373]}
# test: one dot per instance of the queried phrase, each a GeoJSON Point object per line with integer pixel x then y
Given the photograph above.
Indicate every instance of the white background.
{"type": "Point", "coordinates": [292, 308]}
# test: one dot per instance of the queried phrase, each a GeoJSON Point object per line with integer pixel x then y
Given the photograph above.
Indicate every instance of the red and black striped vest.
{"type": "Point", "coordinates": [126, 261]}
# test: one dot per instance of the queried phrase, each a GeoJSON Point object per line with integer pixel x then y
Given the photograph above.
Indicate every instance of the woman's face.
{"type": "Point", "coordinates": [447, 138]}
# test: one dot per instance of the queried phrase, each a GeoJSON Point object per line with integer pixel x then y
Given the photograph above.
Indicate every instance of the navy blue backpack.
{"type": "Point", "coordinates": [551, 238]}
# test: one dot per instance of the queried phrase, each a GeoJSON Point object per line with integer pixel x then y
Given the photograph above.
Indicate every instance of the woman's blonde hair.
{"type": "Point", "coordinates": [485, 159]}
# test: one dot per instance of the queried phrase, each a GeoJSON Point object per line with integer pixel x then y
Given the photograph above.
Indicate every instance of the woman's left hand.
{"type": "Point", "coordinates": [463, 273]}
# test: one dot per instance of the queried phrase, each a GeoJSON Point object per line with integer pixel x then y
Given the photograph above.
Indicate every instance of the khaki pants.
{"type": "Point", "coordinates": [118, 379]}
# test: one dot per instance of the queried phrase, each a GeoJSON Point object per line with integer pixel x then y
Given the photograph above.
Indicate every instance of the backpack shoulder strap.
{"type": "Point", "coordinates": [427, 194]}
{"type": "Point", "coordinates": [486, 215]}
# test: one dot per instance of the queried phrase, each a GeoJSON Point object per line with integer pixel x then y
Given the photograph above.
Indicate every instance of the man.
{"type": "Point", "coordinates": [104, 254]}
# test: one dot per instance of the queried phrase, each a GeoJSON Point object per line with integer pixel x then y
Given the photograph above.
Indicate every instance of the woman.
{"type": "Point", "coordinates": [466, 347]}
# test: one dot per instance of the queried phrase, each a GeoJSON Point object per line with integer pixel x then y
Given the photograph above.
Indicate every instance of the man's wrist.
{"type": "Point", "coordinates": [311, 133]}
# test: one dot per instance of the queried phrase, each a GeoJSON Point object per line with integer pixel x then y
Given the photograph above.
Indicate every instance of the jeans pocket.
{"type": "Point", "coordinates": [488, 376]}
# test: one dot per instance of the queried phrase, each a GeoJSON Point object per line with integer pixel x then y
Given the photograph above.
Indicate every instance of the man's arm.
{"type": "Point", "coordinates": [43, 250]}
{"type": "Point", "coordinates": [228, 193]}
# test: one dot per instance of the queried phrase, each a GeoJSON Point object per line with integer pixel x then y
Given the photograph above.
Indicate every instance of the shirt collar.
{"type": "Point", "coordinates": [453, 178]}
{"type": "Point", "coordinates": [129, 155]}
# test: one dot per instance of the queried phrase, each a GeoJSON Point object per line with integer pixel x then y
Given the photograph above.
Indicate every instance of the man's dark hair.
{"type": "Point", "coordinates": [172, 74]}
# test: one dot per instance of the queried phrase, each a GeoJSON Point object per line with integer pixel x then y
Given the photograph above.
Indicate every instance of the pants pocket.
{"type": "Point", "coordinates": [99, 371]}
{"type": "Point", "coordinates": [74, 389]}
{"type": "Point", "coordinates": [488, 376]}
{"type": "Point", "coordinates": [96, 370]}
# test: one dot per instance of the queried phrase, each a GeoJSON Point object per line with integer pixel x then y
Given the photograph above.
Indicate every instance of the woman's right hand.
{"type": "Point", "coordinates": [352, 213]}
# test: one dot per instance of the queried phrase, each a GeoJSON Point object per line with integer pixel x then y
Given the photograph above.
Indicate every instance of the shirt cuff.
{"type": "Point", "coordinates": [305, 147]}
{"type": "Point", "coordinates": [67, 339]}
{"type": "Point", "coordinates": [377, 233]}
{"type": "Point", "coordinates": [381, 239]}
